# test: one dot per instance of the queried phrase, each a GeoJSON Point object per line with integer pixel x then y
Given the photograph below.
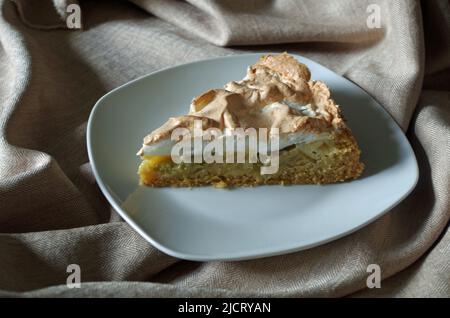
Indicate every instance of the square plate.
{"type": "Point", "coordinates": [215, 224]}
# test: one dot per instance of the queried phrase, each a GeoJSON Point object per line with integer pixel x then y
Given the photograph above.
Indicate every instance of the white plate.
{"type": "Point", "coordinates": [216, 224]}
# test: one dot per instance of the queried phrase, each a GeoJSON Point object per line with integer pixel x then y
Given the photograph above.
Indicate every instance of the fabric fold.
{"type": "Point", "coordinates": [44, 14]}
{"type": "Point", "coordinates": [53, 214]}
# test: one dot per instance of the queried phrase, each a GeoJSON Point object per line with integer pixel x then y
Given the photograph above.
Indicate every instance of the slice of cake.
{"type": "Point", "coordinates": [276, 126]}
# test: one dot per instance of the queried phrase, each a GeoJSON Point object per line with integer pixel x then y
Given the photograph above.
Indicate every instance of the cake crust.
{"type": "Point", "coordinates": [318, 163]}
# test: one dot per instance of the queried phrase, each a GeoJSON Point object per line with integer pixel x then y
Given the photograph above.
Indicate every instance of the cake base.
{"type": "Point", "coordinates": [319, 162]}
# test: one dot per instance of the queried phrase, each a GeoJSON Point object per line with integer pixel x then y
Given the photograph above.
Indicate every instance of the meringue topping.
{"type": "Point", "coordinates": [277, 92]}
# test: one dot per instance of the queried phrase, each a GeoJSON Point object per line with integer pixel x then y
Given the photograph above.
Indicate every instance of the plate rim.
{"type": "Point", "coordinates": [236, 256]}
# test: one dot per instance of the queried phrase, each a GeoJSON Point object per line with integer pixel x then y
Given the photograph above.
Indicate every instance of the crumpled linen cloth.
{"type": "Point", "coordinates": [52, 213]}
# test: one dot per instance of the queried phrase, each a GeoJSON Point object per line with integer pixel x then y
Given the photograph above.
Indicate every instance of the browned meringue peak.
{"type": "Point", "coordinates": [232, 110]}
{"type": "Point", "coordinates": [178, 122]}
{"type": "Point", "coordinates": [272, 79]}
{"type": "Point", "coordinates": [285, 65]}
{"type": "Point", "coordinates": [278, 79]}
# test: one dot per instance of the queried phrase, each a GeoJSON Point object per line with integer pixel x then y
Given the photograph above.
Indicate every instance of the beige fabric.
{"type": "Point", "coordinates": [52, 213]}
